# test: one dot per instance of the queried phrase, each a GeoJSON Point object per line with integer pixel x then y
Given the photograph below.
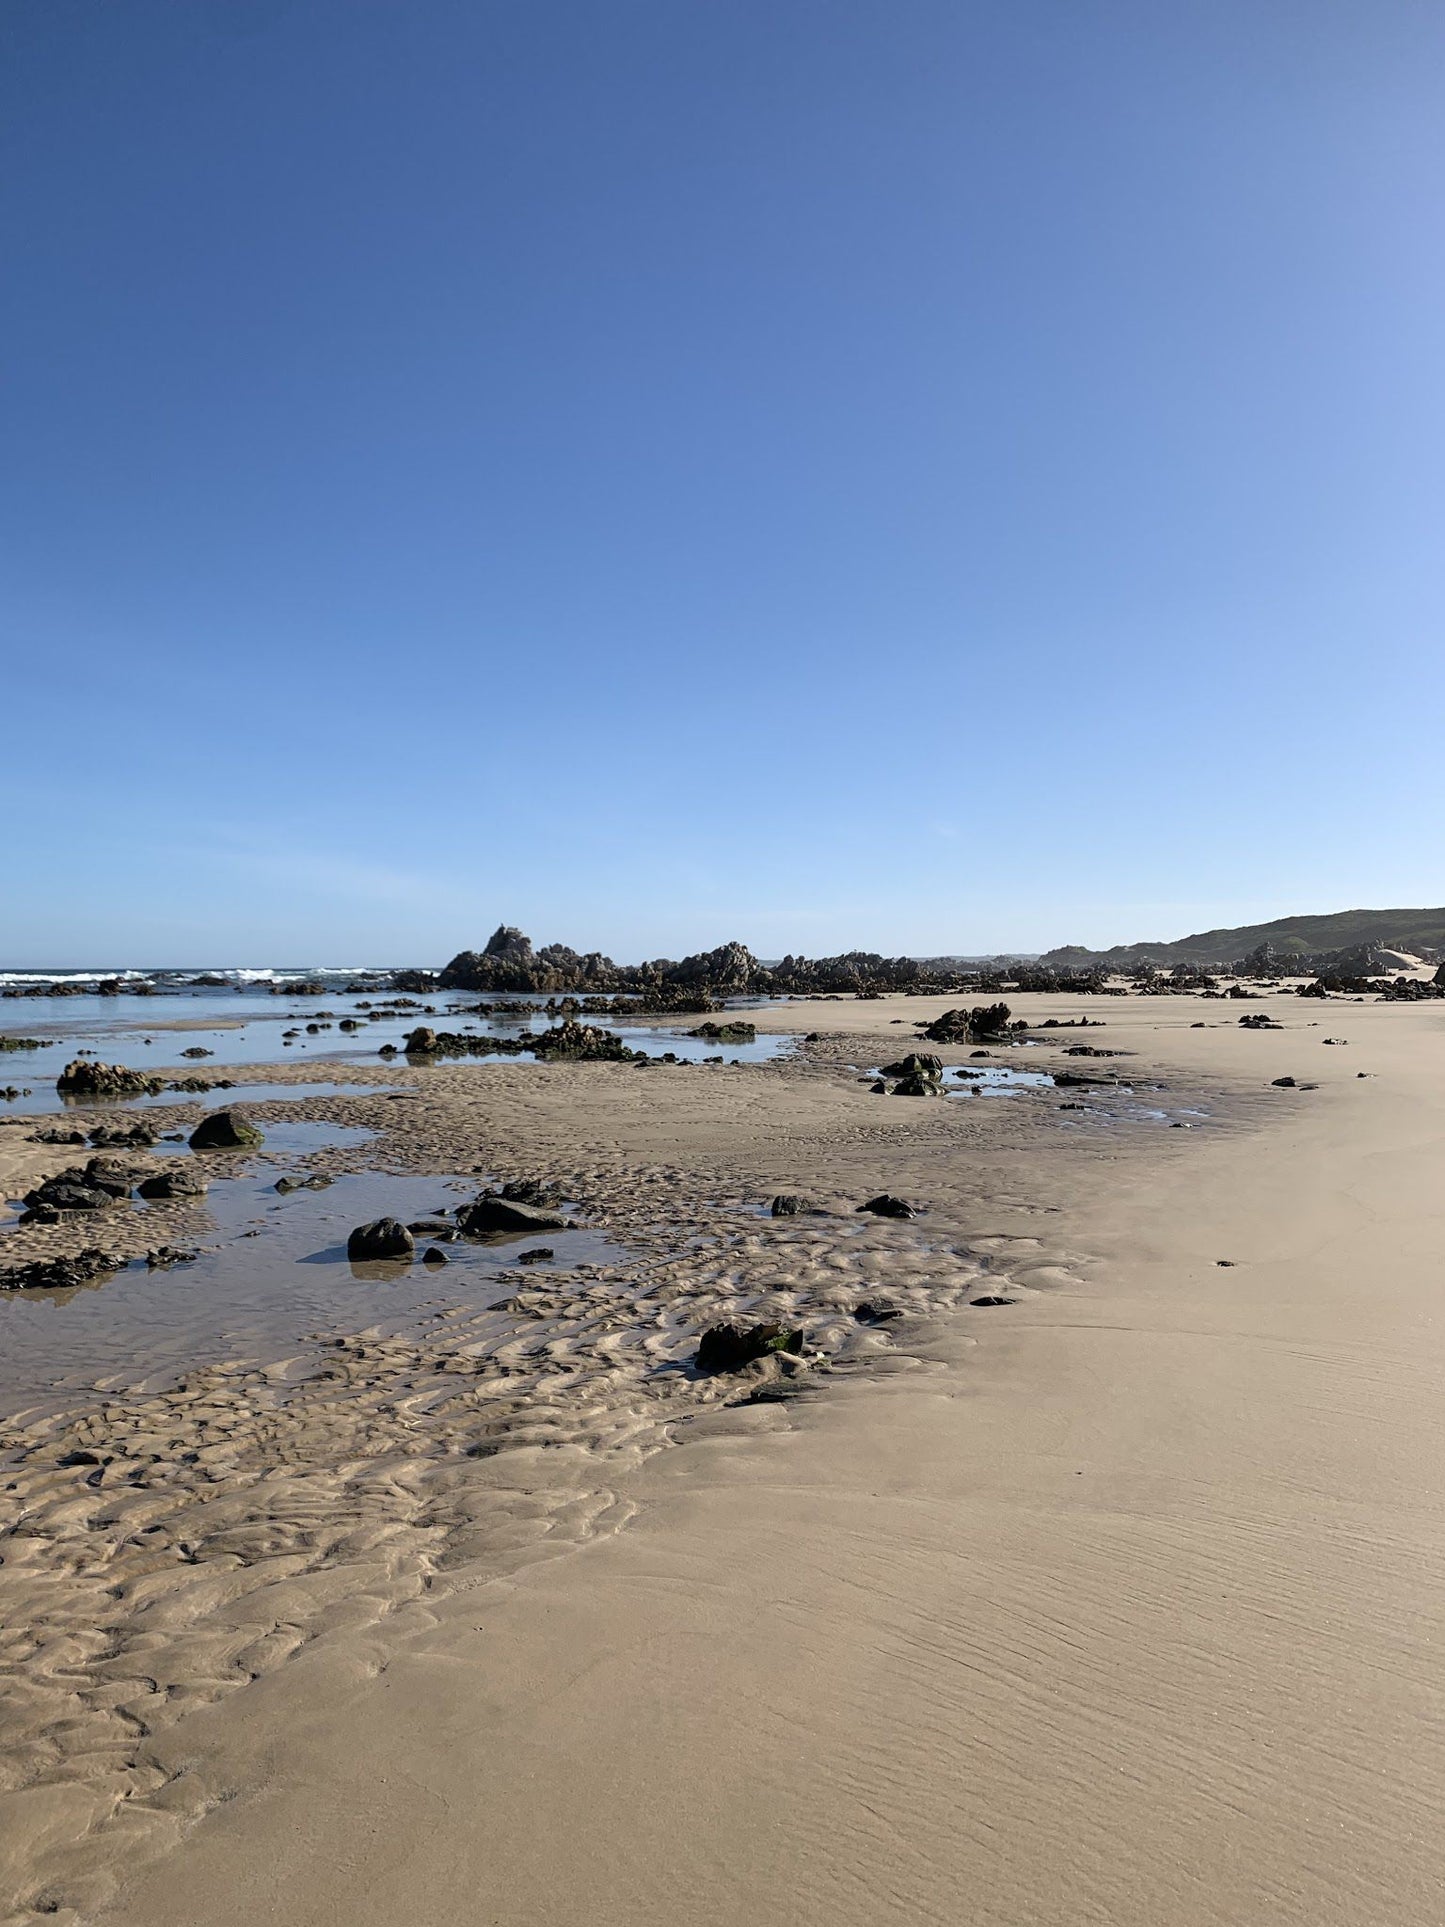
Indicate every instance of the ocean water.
{"type": "Point", "coordinates": [243, 1023]}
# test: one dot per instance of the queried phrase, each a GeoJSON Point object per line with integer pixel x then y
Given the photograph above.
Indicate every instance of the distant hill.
{"type": "Point", "coordinates": [1412, 930]}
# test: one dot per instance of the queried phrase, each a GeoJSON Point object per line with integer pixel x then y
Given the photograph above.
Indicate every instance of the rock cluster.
{"type": "Point", "coordinates": [59, 1274]}
{"type": "Point", "coordinates": [983, 1024]}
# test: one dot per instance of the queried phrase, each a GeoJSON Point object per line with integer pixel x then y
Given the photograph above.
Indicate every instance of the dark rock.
{"type": "Point", "coordinates": [181, 1181]}
{"type": "Point", "coordinates": [421, 1042]}
{"type": "Point", "coordinates": [537, 1255]}
{"type": "Point", "coordinates": [57, 1135]}
{"type": "Point", "coordinates": [727, 1348]}
{"type": "Point", "coordinates": [535, 1191]}
{"type": "Point", "coordinates": [118, 1137]}
{"type": "Point", "coordinates": [434, 1257]}
{"type": "Point", "coordinates": [878, 1087]}
{"type": "Point", "coordinates": [164, 1256]}
{"type": "Point", "coordinates": [67, 1191]}
{"type": "Point", "coordinates": [491, 1212]}
{"type": "Point", "coordinates": [869, 1314]}
{"type": "Point", "coordinates": [383, 1238]}
{"type": "Point", "coordinates": [786, 1205]}
{"type": "Point", "coordinates": [730, 1033]}
{"type": "Point", "coordinates": [198, 1050]}
{"type": "Point", "coordinates": [1283, 1083]}
{"type": "Point", "coordinates": [225, 1131]}
{"type": "Point", "coordinates": [119, 1176]}
{"type": "Point", "coordinates": [992, 1298]}
{"type": "Point", "coordinates": [884, 1206]}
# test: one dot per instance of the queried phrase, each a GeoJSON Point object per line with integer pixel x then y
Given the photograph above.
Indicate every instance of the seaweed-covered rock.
{"type": "Point", "coordinates": [916, 1064]}
{"type": "Point", "coordinates": [728, 1348]}
{"type": "Point", "coordinates": [382, 1238]}
{"type": "Point", "coordinates": [226, 1131]}
{"type": "Point", "coordinates": [735, 1032]}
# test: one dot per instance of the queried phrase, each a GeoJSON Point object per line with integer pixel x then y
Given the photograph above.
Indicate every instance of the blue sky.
{"type": "Point", "coordinates": [923, 476]}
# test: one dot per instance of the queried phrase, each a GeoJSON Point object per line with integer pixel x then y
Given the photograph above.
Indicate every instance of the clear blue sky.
{"type": "Point", "coordinates": [918, 474]}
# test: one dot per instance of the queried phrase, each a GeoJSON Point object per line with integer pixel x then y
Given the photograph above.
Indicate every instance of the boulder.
{"type": "Point", "coordinates": [383, 1238]}
{"type": "Point", "coordinates": [422, 1042]}
{"type": "Point", "coordinates": [536, 1255]}
{"type": "Point", "coordinates": [434, 1256]}
{"type": "Point", "coordinates": [730, 1033]}
{"type": "Point", "coordinates": [786, 1205]}
{"type": "Point", "coordinates": [225, 1131]}
{"type": "Point", "coordinates": [492, 1212]}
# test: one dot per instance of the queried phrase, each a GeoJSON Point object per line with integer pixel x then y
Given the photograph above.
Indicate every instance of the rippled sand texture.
{"type": "Point", "coordinates": [1115, 1602]}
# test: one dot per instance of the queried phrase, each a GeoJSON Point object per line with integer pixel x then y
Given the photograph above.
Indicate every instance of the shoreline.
{"type": "Point", "coordinates": [800, 1123]}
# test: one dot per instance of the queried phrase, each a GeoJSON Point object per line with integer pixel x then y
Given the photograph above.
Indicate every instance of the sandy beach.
{"type": "Point", "coordinates": [1111, 1602]}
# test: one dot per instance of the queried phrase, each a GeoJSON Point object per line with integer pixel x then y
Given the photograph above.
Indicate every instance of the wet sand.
{"type": "Point", "coordinates": [1112, 1603]}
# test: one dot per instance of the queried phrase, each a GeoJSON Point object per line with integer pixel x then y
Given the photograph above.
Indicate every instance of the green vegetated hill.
{"type": "Point", "coordinates": [1302, 936]}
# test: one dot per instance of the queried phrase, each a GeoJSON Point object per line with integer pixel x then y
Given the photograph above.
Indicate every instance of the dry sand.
{"type": "Point", "coordinates": [1114, 1604]}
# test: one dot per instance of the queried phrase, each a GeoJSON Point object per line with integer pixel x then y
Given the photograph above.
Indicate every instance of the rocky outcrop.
{"type": "Point", "coordinates": [83, 1077]}
{"type": "Point", "coordinates": [567, 1040]}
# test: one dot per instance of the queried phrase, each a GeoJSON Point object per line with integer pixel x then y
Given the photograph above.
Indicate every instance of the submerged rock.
{"type": "Point", "coordinates": [226, 1131]}
{"type": "Point", "coordinates": [382, 1238]}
